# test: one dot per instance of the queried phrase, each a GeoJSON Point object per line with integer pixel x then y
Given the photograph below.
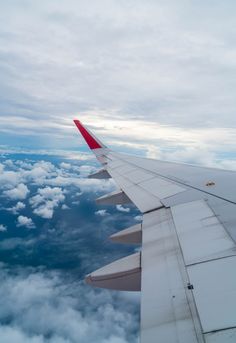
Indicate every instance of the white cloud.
{"type": "Point", "coordinates": [84, 184]}
{"type": "Point", "coordinates": [138, 218]}
{"type": "Point", "coordinates": [20, 192]}
{"type": "Point", "coordinates": [1, 168]}
{"type": "Point", "coordinates": [39, 172]}
{"type": "Point", "coordinates": [15, 335]}
{"type": "Point", "coordinates": [45, 211]}
{"type": "Point", "coordinates": [18, 207]}
{"type": "Point", "coordinates": [3, 228]}
{"type": "Point", "coordinates": [9, 179]}
{"type": "Point", "coordinates": [46, 200]}
{"type": "Point", "coordinates": [65, 165]}
{"type": "Point", "coordinates": [25, 221]}
{"type": "Point", "coordinates": [49, 310]}
{"type": "Point", "coordinates": [65, 207]}
{"type": "Point", "coordinates": [101, 213]}
{"type": "Point", "coordinates": [86, 170]}
{"type": "Point", "coordinates": [122, 208]}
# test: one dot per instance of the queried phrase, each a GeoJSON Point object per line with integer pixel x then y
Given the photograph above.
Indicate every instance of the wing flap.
{"type": "Point", "coordinates": [114, 198]}
{"type": "Point", "coordinates": [123, 274]}
{"type": "Point", "coordinates": [131, 235]}
{"type": "Point", "coordinates": [167, 307]}
{"type": "Point", "coordinates": [214, 290]}
{"type": "Point", "coordinates": [202, 236]}
{"type": "Point", "coordinates": [100, 174]}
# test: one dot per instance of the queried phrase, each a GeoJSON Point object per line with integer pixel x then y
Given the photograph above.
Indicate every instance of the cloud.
{"type": "Point", "coordinates": [53, 310]}
{"type": "Point", "coordinates": [86, 170]}
{"type": "Point", "coordinates": [3, 228]}
{"type": "Point", "coordinates": [15, 242]}
{"type": "Point", "coordinates": [65, 165]}
{"type": "Point", "coordinates": [122, 208]}
{"type": "Point", "coordinates": [138, 218]}
{"type": "Point", "coordinates": [25, 221]}
{"type": "Point", "coordinates": [18, 207]}
{"type": "Point", "coordinates": [65, 207]}
{"type": "Point", "coordinates": [19, 192]}
{"type": "Point", "coordinates": [184, 79]}
{"type": "Point", "coordinates": [85, 185]}
{"type": "Point", "coordinates": [53, 307]}
{"type": "Point", "coordinates": [9, 179]}
{"type": "Point", "coordinates": [101, 213]}
{"type": "Point", "coordinates": [15, 335]}
{"type": "Point", "coordinates": [24, 175]}
{"type": "Point", "coordinates": [46, 200]}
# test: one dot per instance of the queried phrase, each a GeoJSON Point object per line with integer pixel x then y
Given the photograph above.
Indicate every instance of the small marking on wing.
{"type": "Point", "coordinates": [210, 183]}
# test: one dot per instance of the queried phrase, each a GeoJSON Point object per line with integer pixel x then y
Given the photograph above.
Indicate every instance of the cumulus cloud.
{"type": "Point", "coordinates": [25, 221]}
{"type": "Point", "coordinates": [18, 207]}
{"type": "Point", "coordinates": [39, 172]}
{"type": "Point", "coordinates": [122, 208]}
{"type": "Point", "coordinates": [9, 179]}
{"type": "Point", "coordinates": [101, 213]}
{"type": "Point", "coordinates": [85, 170]}
{"type": "Point", "coordinates": [19, 192]}
{"type": "Point", "coordinates": [3, 228]}
{"type": "Point", "coordinates": [17, 180]}
{"type": "Point", "coordinates": [46, 200]}
{"type": "Point", "coordinates": [50, 310]}
{"type": "Point", "coordinates": [138, 218]}
{"type": "Point", "coordinates": [64, 207]}
{"type": "Point", "coordinates": [65, 165]}
{"type": "Point", "coordinates": [85, 185]}
{"type": "Point", "coordinates": [48, 174]}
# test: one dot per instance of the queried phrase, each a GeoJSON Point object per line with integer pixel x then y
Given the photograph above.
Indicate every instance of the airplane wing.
{"type": "Point", "coordinates": [186, 268]}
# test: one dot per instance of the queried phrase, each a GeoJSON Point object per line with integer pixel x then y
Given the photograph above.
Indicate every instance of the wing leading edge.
{"type": "Point", "coordinates": [185, 270]}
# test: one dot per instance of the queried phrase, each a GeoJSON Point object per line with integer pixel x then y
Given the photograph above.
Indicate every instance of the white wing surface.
{"type": "Point", "coordinates": [186, 268]}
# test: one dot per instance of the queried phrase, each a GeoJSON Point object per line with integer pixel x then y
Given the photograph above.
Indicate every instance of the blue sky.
{"type": "Point", "coordinates": [153, 78]}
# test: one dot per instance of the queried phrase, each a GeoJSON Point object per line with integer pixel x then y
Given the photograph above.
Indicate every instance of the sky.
{"type": "Point", "coordinates": [154, 78]}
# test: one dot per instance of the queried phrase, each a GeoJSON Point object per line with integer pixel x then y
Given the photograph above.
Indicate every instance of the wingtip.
{"type": "Point", "coordinates": [92, 142]}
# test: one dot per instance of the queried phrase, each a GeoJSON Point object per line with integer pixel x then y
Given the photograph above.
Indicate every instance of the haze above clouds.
{"type": "Point", "coordinates": [156, 76]}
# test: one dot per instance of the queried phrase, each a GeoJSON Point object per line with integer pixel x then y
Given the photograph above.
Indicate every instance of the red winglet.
{"type": "Point", "coordinates": [90, 140]}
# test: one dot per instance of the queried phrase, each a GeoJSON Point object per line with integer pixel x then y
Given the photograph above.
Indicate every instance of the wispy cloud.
{"type": "Point", "coordinates": [3, 228]}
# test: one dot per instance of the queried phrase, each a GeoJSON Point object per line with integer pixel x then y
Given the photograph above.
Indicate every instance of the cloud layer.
{"type": "Point", "coordinates": [163, 68]}
{"type": "Point", "coordinates": [42, 307]}
{"type": "Point", "coordinates": [49, 241]}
